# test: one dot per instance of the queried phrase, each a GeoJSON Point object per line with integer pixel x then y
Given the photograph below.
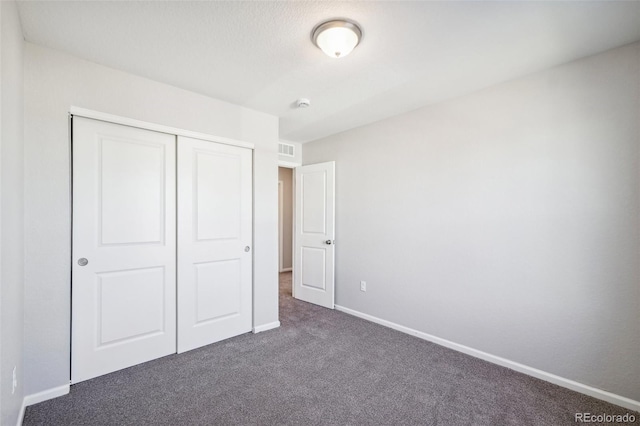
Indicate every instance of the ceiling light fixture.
{"type": "Point", "coordinates": [337, 37]}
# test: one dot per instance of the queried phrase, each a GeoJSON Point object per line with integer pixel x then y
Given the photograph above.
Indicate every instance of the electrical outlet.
{"type": "Point", "coordinates": [14, 384]}
{"type": "Point", "coordinates": [363, 286]}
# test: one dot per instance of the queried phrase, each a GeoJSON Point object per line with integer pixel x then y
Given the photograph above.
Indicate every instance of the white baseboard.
{"type": "Point", "coordinates": [265, 327]}
{"type": "Point", "coordinates": [41, 397]}
{"type": "Point", "coordinates": [530, 371]}
{"type": "Point", "coordinates": [46, 395]}
{"type": "Point", "coordinates": [23, 407]}
{"type": "Point", "coordinates": [289, 269]}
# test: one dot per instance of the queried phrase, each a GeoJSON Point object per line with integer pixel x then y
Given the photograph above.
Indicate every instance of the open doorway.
{"type": "Point", "coordinates": [285, 225]}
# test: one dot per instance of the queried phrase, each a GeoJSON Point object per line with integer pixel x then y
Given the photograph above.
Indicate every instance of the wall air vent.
{"type": "Point", "coordinates": [286, 149]}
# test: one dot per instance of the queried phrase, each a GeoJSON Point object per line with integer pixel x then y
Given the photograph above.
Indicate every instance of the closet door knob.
{"type": "Point", "coordinates": [82, 261]}
{"type": "Point", "coordinates": [247, 248]}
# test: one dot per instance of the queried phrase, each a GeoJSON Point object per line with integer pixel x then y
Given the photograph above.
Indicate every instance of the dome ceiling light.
{"type": "Point", "coordinates": [337, 37]}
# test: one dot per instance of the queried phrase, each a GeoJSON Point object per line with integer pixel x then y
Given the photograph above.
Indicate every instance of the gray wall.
{"type": "Point", "coordinates": [286, 176]}
{"type": "Point", "coordinates": [54, 81]}
{"type": "Point", "coordinates": [505, 220]}
{"type": "Point", "coordinates": [11, 205]}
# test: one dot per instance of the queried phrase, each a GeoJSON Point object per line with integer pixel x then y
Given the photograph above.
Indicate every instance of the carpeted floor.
{"type": "Point", "coordinates": [320, 367]}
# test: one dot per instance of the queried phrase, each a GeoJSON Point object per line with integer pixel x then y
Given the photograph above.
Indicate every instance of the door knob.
{"type": "Point", "coordinates": [247, 248]}
{"type": "Point", "coordinates": [328, 242]}
{"type": "Point", "coordinates": [82, 261]}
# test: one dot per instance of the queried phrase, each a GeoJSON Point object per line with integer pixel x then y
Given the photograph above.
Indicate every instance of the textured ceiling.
{"type": "Point", "coordinates": [258, 53]}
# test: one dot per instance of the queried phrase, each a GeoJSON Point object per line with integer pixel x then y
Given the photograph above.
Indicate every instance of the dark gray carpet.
{"type": "Point", "coordinates": [319, 367]}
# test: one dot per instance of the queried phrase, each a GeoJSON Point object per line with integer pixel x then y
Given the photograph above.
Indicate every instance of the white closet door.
{"type": "Point", "coordinates": [214, 242]}
{"type": "Point", "coordinates": [124, 247]}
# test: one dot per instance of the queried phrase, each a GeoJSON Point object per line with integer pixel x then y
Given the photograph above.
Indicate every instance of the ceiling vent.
{"type": "Point", "coordinates": [286, 149]}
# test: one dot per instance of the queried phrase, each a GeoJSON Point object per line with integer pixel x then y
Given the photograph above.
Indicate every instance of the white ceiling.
{"type": "Point", "coordinates": [258, 53]}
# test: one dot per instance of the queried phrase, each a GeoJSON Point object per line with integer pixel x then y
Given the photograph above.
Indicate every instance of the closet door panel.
{"type": "Point", "coordinates": [124, 247]}
{"type": "Point", "coordinates": [214, 242]}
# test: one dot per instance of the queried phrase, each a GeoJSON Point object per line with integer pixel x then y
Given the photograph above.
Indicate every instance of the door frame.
{"type": "Point", "coordinates": [291, 166]}
{"type": "Point", "coordinates": [125, 121]}
{"type": "Point", "coordinates": [116, 119]}
{"type": "Point", "coordinates": [280, 225]}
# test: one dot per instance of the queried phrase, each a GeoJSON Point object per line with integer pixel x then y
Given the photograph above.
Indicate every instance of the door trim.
{"type": "Point", "coordinates": [281, 267]}
{"type": "Point", "coordinates": [280, 225]}
{"type": "Point", "coordinates": [116, 119]}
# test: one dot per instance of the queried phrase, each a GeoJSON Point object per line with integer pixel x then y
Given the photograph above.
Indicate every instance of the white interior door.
{"type": "Point", "coordinates": [214, 242]}
{"type": "Point", "coordinates": [124, 247]}
{"type": "Point", "coordinates": [313, 273]}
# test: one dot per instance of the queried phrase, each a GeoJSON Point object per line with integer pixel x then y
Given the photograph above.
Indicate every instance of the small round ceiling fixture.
{"type": "Point", "coordinates": [337, 37]}
{"type": "Point", "coordinates": [303, 103]}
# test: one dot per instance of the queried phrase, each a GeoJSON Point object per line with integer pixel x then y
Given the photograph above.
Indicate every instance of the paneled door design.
{"type": "Point", "coordinates": [124, 247]}
{"type": "Point", "coordinates": [214, 242]}
{"type": "Point", "coordinates": [313, 273]}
